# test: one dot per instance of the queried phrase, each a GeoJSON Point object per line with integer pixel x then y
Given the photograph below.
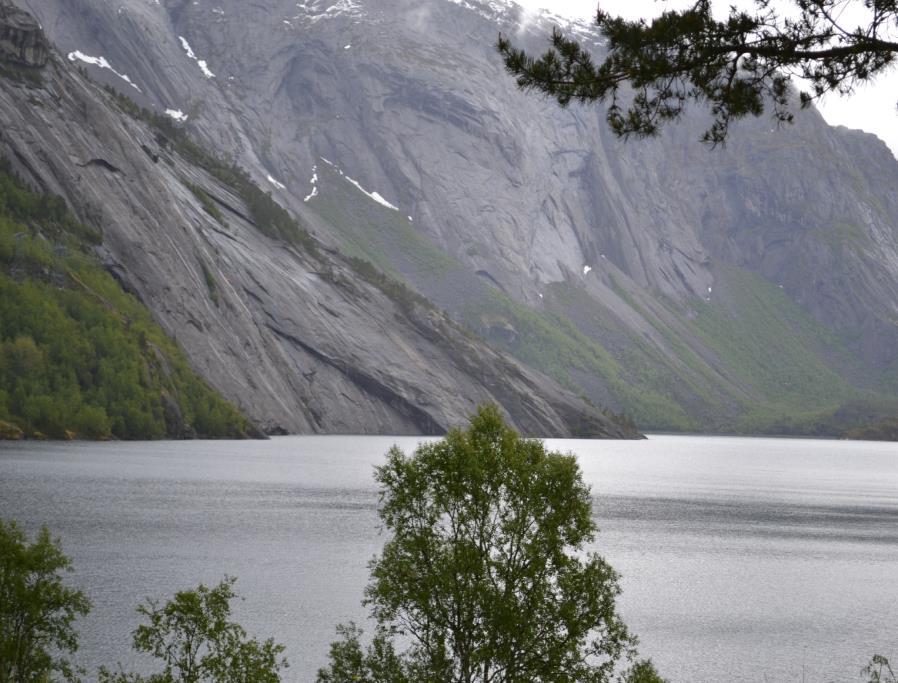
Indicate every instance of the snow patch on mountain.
{"type": "Point", "coordinates": [187, 48]}
{"type": "Point", "coordinates": [372, 195]}
{"type": "Point", "coordinates": [102, 63]}
{"type": "Point", "coordinates": [505, 11]}
{"type": "Point", "coordinates": [204, 67]}
{"type": "Point", "coordinates": [176, 114]}
{"type": "Point", "coordinates": [376, 196]}
{"type": "Point", "coordinates": [313, 11]}
{"type": "Point", "coordinates": [491, 10]}
{"type": "Point", "coordinates": [314, 181]}
{"type": "Point", "coordinates": [581, 30]}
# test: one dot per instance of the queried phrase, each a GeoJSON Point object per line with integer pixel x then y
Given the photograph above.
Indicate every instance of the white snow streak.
{"type": "Point", "coordinates": [313, 11]}
{"type": "Point", "coordinates": [187, 48]}
{"type": "Point", "coordinates": [314, 181]}
{"type": "Point", "coordinates": [506, 11]}
{"type": "Point", "coordinates": [373, 195]}
{"type": "Point", "coordinates": [279, 185]}
{"type": "Point", "coordinates": [102, 63]}
{"type": "Point", "coordinates": [376, 196]}
{"type": "Point", "coordinates": [204, 67]}
{"type": "Point", "coordinates": [176, 114]}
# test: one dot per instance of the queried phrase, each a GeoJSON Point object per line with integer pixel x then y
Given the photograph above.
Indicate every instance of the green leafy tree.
{"type": "Point", "coordinates": [197, 642]}
{"type": "Point", "coordinates": [37, 610]}
{"type": "Point", "coordinates": [379, 663]}
{"type": "Point", "coordinates": [486, 576]}
{"type": "Point", "coordinates": [737, 65]}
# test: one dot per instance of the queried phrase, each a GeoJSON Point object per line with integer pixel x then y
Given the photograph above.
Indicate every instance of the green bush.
{"type": "Point", "coordinates": [195, 642]}
{"type": "Point", "coordinates": [209, 205]}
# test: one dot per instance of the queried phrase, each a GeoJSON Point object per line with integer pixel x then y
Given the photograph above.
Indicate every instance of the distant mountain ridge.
{"type": "Point", "coordinates": [753, 288]}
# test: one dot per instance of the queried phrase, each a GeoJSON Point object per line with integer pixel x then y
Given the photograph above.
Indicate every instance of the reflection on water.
{"type": "Point", "coordinates": [742, 559]}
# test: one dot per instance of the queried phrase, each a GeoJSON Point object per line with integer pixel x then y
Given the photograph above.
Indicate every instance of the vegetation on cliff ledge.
{"type": "Point", "coordinates": [79, 357]}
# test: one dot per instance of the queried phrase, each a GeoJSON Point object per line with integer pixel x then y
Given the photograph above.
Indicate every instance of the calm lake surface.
{"type": "Point", "coordinates": [742, 559]}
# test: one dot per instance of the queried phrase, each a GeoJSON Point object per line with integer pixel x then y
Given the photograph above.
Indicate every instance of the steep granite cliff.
{"type": "Point", "coordinates": [297, 335]}
{"type": "Point", "coordinates": [749, 288]}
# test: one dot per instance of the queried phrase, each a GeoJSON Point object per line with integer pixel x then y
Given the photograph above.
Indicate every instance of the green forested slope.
{"type": "Point", "coordinates": [78, 356]}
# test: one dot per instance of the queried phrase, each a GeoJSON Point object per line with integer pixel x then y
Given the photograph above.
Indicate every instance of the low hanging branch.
{"type": "Point", "coordinates": [736, 66]}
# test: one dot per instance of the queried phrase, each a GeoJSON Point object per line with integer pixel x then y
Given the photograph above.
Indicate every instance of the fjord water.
{"type": "Point", "coordinates": [742, 559]}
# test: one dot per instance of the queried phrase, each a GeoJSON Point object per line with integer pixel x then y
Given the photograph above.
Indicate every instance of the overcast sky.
{"type": "Point", "coordinates": [872, 108]}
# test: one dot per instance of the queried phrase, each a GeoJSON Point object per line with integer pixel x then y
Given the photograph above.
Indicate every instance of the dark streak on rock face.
{"type": "Point", "coordinates": [424, 421]}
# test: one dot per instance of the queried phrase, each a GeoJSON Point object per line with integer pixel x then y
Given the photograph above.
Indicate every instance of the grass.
{"type": "Point", "coordinates": [208, 204]}
{"type": "Point", "coordinates": [770, 340]}
{"type": "Point", "coordinates": [211, 282]}
{"type": "Point", "coordinates": [549, 342]}
{"type": "Point", "coordinates": [756, 363]}
{"type": "Point", "coordinates": [376, 233]}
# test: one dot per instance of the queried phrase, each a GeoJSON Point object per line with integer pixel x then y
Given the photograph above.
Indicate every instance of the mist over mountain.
{"type": "Point", "coordinates": [750, 288]}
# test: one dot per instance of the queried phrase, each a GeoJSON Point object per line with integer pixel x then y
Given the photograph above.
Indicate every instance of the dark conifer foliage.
{"type": "Point", "coordinates": [738, 66]}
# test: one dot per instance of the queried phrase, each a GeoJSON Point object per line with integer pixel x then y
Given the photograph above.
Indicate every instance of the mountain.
{"type": "Point", "coordinates": [299, 336]}
{"type": "Point", "coordinates": [753, 288]}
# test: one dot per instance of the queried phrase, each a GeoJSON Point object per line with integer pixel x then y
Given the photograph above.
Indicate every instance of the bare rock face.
{"type": "Point", "coordinates": [292, 334]}
{"type": "Point", "coordinates": [685, 286]}
{"type": "Point", "coordinates": [21, 39]}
